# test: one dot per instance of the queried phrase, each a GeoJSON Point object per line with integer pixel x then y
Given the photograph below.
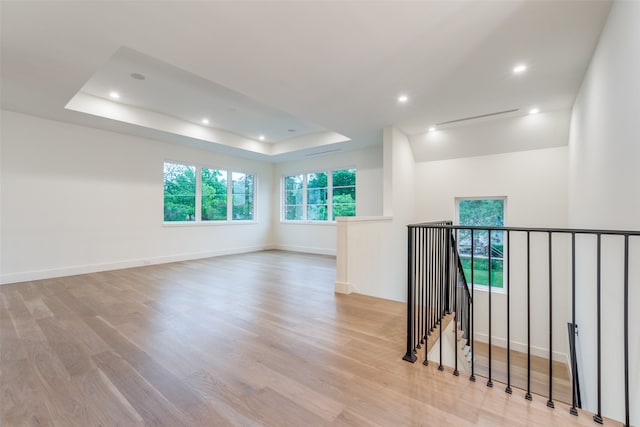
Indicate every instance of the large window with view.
{"type": "Point", "coordinates": [179, 192]}
{"type": "Point", "coordinates": [319, 196]}
{"type": "Point", "coordinates": [317, 203]}
{"type": "Point", "coordinates": [293, 200]}
{"type": "Point", "coordinates": [242, 193]}
{"type": "Point", "coordinates": [482, 212]}
{"type": "Point", "coordinates": [214, 195]}
{"type": "Point", "coordinates": [195, 194]}
{"type": "Point", "coordinates": [343, 193]}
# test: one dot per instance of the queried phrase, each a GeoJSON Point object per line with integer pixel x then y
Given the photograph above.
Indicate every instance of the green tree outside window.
{"type": "Point", "coordinates": [482, 213]}
{"type": "Point", "coordinates": [179, 192]}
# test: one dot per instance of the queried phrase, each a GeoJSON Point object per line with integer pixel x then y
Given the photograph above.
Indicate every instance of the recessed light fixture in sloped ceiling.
{"type": "Point", "coordinates": [158, 95]}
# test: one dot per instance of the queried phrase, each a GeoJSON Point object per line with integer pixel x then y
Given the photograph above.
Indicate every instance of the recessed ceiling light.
{"type": "Point", "coordinates": [291, 130]}
{"type": "Point", "coordinates": [114, 95]}
{"type": "Point", "coordinates": [519, 69]}
{"type": "Point", "coordinates": [261, 137]}
{"type": "Point", "coordinates": [432, 129]}
{"type": "Point", "coordinates": [403, 98]}
{"type": "Point", "coordinates": [205, 121]}
{"type": "Point", "coordinates": [534, 111]}
{"type": "Point", "coordinates": [137, 76]}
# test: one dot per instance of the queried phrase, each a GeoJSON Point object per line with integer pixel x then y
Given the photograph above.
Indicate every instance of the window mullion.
{"type": "Point", "coordinates": [330, 196]}
{"type": "Point", "coordinates": [283, 198]}
{"type": "Point", "coordinates": [304, 197]}
{"type": "Point", "coordinates": [198, 194]}
{"type": "Point", "coordinates": [229, 196]}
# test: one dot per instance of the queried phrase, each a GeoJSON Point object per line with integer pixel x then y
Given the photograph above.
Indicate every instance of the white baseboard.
{"type": "Point", "coordinates": [27, 276]}
{"type": "Point", "coordinates": [304, 249]}
{"type": "Point", "coordinates": [342, 287]}
{"type": "Point", "coordinates": [522, 347]}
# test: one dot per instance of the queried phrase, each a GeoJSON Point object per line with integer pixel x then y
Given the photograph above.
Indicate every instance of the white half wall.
{"type": "Point", "coordinates": [604, 183]}
{"type": "Point", "coordinates": [320, 238]}
{"type": "Point", "coordinates": [77, 199]}
{"type": "Point", "coordinates": [372, 251]}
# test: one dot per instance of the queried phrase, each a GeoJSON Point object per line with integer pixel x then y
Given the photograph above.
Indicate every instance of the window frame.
{"type": "Point", "coordinates": [305, 196]}
{"type": "Point", "coordinates": [283, 198]}
{"type": "Point", "coordinates": [187, 165]}
{"type": "Point", "coordinates": [332, 188]}
{"type": "Point", "coordinates": [227, 172]}
{"type": "Point", "coordinates": [505, 272]}
{"type": "Point", "coordinates": [198, 208]}
{"type": "Point", "coordinates": [230, 195]}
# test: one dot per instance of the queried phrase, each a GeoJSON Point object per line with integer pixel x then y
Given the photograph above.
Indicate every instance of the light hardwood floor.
{"type": "Point", "coordinates": [539, 371]}
{"type": "Point", "coordinates": [253, 339]}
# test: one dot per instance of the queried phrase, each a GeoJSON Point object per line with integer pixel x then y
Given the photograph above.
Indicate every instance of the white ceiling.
{"type": "Point", "coordinates": [166, 89]}
{"type": "Point", "coordinates": [336, 66]}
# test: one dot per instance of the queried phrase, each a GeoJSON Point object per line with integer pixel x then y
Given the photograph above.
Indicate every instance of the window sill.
{"type": "Point", "coordinates": [484, 288]}
{"type": "Point", "coordinates": [322, 223]}
{"type": "Point", "coordinates": [207, 223]}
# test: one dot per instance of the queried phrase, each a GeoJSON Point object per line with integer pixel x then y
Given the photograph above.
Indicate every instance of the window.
{"type": "Point", "coordinates": [317, 196]}
{"type": "Point", "coordinates": [201, 194]}
{"type": "Point", "coordinates": [487, 212]}
{"type": "Point", "coordinates": [214, 195]}
{"type": "Point", "coordinates": [311, 196]}
{"type": "Point", "coordinates": [344, 193]}
{"type": "Point", "coordinates": [293, 201]}
{"type": "Point", "coordinates": [179, 192]}
{"type": "Point", "coordinates": [242, 196]}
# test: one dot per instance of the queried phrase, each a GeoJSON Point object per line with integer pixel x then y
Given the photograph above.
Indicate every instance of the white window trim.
{"type": "Point", "coordinates": [505, 272]}
{"type": "Point", "coordinates": [304, 220]}
{"type": "Point", "coordinates": [198, 209]}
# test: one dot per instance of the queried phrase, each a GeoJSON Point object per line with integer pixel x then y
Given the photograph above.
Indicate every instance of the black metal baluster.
{"type": "Point", "coordinates": [436, 282]}
{"type": "Point", "coordinates": [573, 410]}
{"type": "Point", "coordinates": [428, 299]}
{"type": "Point", "coordinates": [423, 262]}
{"type": "Point", "coordinates": [528, 394]}
{"type": "Point", "coordinates": [473, 354]}
{"type": "Point", "coordinates": [626, 331]}
{"type": "Point", "coordinates": [453, 270]}
{"type": "Point", "coordinates": [508, 389]}
{"type": "Point", "coordinates": [436, 315]}
{"type": "Point", "coordinates": [550, 400]}
{"type": "Point", "coordinates": [416, 275]}
{"type": "Point", "coordinates": [447, 271]}
{"type": "Point", "coordinates": [445, 277]}
{"type": "Point", "coordinates": [409, 356]}
{"type": "Point", "coordinates": [455, 305]}
{"type": "Point", "coordinates": [432, 255]}
{"type": "Point", "coordinates": [598, 416]}
{"type": "Point", "coordinates": [489, 382]}
{"type": "Point", "coordinates": [425, 291]}
{"type": "Point", "coordinates": [438, 278]}
{"type": "Point", "coordinates": [418, 263]}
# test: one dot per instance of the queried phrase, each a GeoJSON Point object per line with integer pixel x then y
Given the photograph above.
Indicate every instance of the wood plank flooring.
{"type": "Point", "coordinates": [252, 340]}
{"type": "Point", "coordinates": [539, 371]}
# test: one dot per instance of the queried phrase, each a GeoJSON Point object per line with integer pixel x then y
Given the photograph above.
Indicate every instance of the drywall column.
{"type": "Point", "coordinates": [604, 192]}
{"type": "Point", "coordinates": [372, 251]}
{"type": "Point", "coordinates": [399, 204]}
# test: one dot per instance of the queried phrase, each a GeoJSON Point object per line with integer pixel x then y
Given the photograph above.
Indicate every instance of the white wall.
{"type": "Point", "coordinates": [320, 237]}
{"type": "Point", "coordinates": [546, 129]}
{"type": "Point", "coordinates": [534, 183]}
{"type": "Point", "coordinates": [77, 199]}
{"type": "Point", "coordinates": [604, 180]}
